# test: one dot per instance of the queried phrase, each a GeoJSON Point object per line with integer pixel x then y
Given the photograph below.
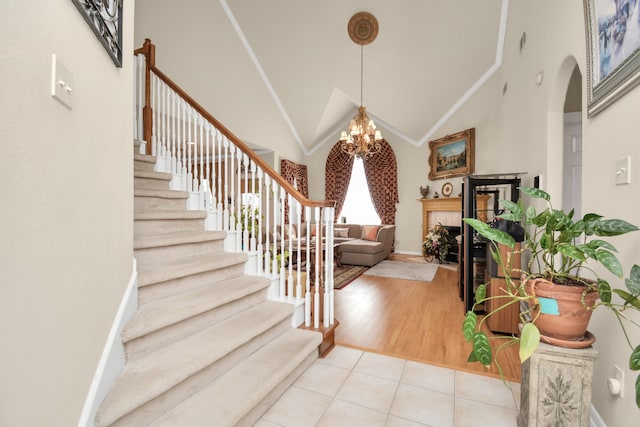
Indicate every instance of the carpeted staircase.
{"type": "Point", "coordinates": [205, 347]}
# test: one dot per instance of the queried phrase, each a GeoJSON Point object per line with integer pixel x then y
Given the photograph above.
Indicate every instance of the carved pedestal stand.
{"type": "Point", "coordinates": [556, 387]}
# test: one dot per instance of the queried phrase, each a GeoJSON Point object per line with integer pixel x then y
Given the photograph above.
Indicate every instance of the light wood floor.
{"type": "Point", "coordinates": [419, 321]}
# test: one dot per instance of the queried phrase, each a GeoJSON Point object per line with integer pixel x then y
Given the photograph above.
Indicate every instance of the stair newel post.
{"type": "Point", "coordinates": [267, 252]}
{"type": "Point", "coordinates": [219, 196]}
{"type": "Point", "coordinates": [318, 267]}
{"type": "Point", "coordinates": [307, 294]}
{"type": "Point", "coordinates": [259, 247]}
{"type": "Point", "coordinates": [141, 102]}
{"type": "Point", "coordinates": [298, 259]}
{"type": "Point", "coordinates": [149, 52]}
{"type": "Point", "coordinates": [246, 204]}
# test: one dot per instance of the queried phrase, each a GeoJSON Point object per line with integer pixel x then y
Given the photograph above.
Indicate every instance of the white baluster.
{"type": "Point", "coordinates": [220, 196]}
{"type": "Point", "coordinates": [239, 229]}
{"type": "Point", "coordinates": [260, 248]}
{"type": "Point", "coordinates": [318, 254]}
{"type": "Point", "coordinates": [307, 294]}
{"type": "Point", "coordinates": [248, 209]}
{"type": "Point", "coordinates": [267, 252]}
{"type": "Point", "coordinates": [298, 224]}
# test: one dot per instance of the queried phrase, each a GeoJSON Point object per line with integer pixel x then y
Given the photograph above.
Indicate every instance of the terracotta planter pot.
{"type": "Point", "coordinates": [562, 314]}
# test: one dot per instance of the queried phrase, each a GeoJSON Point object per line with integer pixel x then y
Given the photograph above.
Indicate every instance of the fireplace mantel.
{"type": "Point", "coordinates": [449, 204]}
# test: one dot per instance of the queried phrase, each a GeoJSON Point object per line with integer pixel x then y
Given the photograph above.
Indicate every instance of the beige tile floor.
{"type": "Point", "coordinates": [353, 388]}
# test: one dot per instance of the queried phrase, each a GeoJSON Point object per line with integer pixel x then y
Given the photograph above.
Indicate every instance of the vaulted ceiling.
{"type": "Point", "coordinates": [428, 57]}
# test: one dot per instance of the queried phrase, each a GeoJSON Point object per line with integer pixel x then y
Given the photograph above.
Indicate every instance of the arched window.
{"type": "Point", "coordinates": [358, 207]}
{"type": "Point", "coordinates": [382, 180]}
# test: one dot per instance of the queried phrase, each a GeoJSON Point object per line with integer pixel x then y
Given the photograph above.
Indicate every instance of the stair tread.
{"type": "Point", "coordinates": [149, 214]}
{"type": "Point", "coordinates": [149, 273]}
{"type": "Point", "coordinates": [167, 311]}
{"type": "Point", "coordinates": [148, 377]}
{"type": "Point", "coordinates": [166, 194]}
{"type": "Point", "coordinates": [177, 238]}
{"type": "Point", "coordinates": [236, 392]}
{"type": "Point", "coordinates": [164, 176]}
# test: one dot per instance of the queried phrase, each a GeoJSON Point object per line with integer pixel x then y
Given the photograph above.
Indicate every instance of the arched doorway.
{"type": "Point", "coordinates": [565, 94]}
{"type": "Point", "coordinates": [572, 143]}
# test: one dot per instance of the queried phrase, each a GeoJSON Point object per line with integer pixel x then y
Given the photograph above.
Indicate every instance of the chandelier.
{"type": "Point", "coordinates": [362, 139]}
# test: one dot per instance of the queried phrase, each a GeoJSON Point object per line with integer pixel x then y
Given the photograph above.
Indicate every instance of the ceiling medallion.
{"type": "Point", "coordinates": [363, 28]}
{"type": "Point", "coordinates": [362, 139]}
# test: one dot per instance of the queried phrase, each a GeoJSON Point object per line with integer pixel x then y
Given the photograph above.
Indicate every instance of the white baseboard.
{"type": "Point", "coordinates": [407, 253]}
{"type": "Point", "coordinates": [596, 420]}
{"type": "Point", "coordinates": [112, 359]}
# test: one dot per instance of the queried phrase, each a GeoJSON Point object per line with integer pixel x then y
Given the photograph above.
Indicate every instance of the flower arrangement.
{"type": "Point", "coordinates": [436, 243]}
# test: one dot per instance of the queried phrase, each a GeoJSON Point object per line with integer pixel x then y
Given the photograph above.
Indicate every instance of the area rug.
{"type": "Point", "coordinates": [342, 276]}
{"type": "Point", "coordinates": [423, 272]}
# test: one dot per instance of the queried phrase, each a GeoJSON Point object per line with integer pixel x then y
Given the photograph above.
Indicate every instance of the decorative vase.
{"type": "Point", "coordinates": [562, 312]}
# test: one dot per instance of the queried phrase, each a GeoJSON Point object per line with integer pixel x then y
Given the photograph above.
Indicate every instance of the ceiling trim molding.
{"type": "Point", "coordinates": [504, 11]}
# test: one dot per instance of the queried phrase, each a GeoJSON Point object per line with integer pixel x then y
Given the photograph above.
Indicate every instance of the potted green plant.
{"type": "Point", "coordinates": [558, 248]}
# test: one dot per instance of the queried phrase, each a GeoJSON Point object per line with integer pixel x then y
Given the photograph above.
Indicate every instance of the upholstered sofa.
{"type": "Point", "coordinates": [359, 244]}
{"type": "Point", "coordinates": [364, 244]}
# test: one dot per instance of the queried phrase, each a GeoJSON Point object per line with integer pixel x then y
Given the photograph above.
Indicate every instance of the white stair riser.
{"type": "Point", "coordinates": [145, 414]}
{"type": "Point", "coordinates": [170, 287]}
{"type": "Point", "coordinates": [150, 183]}
{"type": "Point", "coordinates": [147, 255]}
{"type": "Point", "coordinates": [162, 226]}
{"type": "Point", "coordinates": [142, 346]}
{"type": "Point", "coordinates": [142, 166]}
{"type": "Point", "coordinates": [159, 203]}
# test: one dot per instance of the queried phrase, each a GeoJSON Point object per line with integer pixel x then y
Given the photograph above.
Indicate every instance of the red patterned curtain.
{"type": "Point", "coordinates": [291, 171]}
{"type": "Point", "coordinates": [337, 177]}
{"type": "Point", "coordinates": [381, 171]}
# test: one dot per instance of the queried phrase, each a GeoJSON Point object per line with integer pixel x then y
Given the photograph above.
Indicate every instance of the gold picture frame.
{"type": "Point", "coordinates": [453, 155]}
{"type": "Point", "coordinates": [613, 51]}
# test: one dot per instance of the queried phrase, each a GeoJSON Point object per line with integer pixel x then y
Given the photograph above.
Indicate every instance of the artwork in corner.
{"type": "Point", "coordinates": [105, 19]}
{"type": "Point", "coordinates": [452, 155]}
{"type": "Point", "coordinates": [613, 50]}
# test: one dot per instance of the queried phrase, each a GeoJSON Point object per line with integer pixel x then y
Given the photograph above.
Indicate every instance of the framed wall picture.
{"type": "Point", "coordinates": [613, 50]}
{"type": "Point", "coordinates": [452, 155]}
{"type": "Point", "coordinates": [105, 19]}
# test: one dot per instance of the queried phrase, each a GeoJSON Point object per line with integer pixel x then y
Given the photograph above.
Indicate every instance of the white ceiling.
{"type": "Point", "coordinates": [429, 56]}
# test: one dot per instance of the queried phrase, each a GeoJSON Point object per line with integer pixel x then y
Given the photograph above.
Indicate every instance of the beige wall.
{"type": "Point", "coordinates": [66, 196]}
{"type": "Point", "coordinates": [207, 59]}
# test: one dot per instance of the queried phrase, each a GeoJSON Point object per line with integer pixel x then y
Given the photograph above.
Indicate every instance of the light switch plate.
{"type": "Point", "coordinates": [623, 171]}
{"type": "Point", "coordinates": [61, 83]}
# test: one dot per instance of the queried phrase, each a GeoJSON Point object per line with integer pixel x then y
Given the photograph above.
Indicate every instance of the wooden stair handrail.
{"type": "Point", "coordinates": [148, 50]}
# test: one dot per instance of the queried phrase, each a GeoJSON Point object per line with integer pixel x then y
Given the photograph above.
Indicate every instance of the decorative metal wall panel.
{"type": "Point", "coordinates": [105, 19]}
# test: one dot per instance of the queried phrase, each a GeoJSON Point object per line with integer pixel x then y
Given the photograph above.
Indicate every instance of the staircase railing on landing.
{"type": "Point", "coordinates": [240, 192]}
